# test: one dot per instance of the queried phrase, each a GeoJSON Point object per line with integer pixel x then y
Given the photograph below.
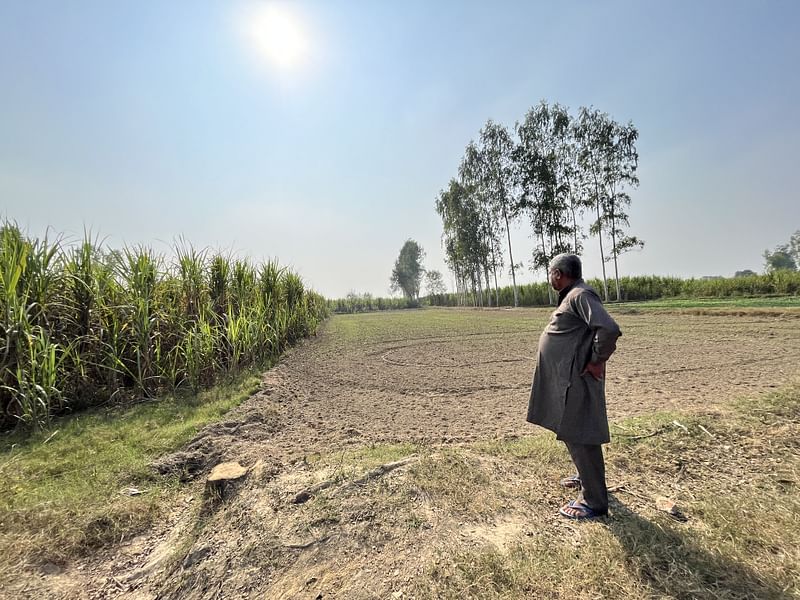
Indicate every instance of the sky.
{"type": "Point", "coordinates": [321, 132]}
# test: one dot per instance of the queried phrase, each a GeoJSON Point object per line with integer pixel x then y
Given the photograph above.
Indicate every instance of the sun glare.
{"type": "Point", "coordinates": [277, 36]}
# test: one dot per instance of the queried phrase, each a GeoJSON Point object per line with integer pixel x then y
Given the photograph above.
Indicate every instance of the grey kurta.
{"type": "Point", "coordinates": [562, 399]}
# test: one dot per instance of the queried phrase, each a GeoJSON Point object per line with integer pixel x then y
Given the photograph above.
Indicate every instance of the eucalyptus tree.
{"type": "Point", "coordinates": [465, 252]}
{"type": "Point", "coordinates": [408, 270]}
{"type": "Point", "coordinates": [621, 165]}
{"type": "Point", "coordinates": [449, 244]}
{"type": "Point", "coordinates": [543, 177]}
{"type": "Point", "coordinates": [609, 160]}
{"type": "Point", "coordinates": [560, 175]}
{"type": "Point", "coordinates": [496, 178]}
{"type": "Point", "coordinates": [472, 240]}
{"type": "Point", "coordinates": [472, 172]}
{"type": "Point", "coordinates": [447, 206]}
{"type": "Point", "coordinates": [528, 164]}
{"type": "Point", "coordinates": [592, 133]}
{"type": "Point", "coordinates": [573, 184]}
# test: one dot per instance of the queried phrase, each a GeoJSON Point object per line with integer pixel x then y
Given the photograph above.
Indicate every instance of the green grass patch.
{"type": "Point", "coordinates": [62, 487]}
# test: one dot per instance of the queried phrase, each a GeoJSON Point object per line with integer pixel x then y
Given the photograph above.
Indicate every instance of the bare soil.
{"type": "Point", "coordinates": [457, 388]}
{"type": "Point", "coordinates": [337, 394]}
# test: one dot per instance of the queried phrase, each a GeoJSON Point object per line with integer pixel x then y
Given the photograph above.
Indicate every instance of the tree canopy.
{"type": "Point", "coordinates": [408, 270]}
{"type": "Point", "coordinates": [785, 257]}
{"type": "Point", "coordinates": [554, 169]}
{"type": "Point", "coordinates": [779, 260]}
{"type": "Point", "coordinates": [434, 283]}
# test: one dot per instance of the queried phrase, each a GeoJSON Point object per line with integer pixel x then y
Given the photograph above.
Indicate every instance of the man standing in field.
{"type": "Point", "coordinates": [568, 392]}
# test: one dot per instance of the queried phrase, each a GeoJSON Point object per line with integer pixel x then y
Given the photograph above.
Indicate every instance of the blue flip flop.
{"type": "Point", "coordinates": [585, 511]}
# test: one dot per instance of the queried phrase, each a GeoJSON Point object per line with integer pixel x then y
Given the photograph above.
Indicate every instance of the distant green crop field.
{"type": "Point", "coordinates": [755, 302]}
{"type": "Point", "coordinates": [433, 322]}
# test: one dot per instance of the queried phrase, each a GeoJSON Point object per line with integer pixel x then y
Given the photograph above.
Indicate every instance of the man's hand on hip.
{"type": "Point", "coordinates": [596, 370]}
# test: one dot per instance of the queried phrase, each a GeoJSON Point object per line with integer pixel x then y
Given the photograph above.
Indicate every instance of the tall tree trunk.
{"type": "Point", "coordinates": [574, 228]}
{"type": "Point", "coordinates": [496, 289]}
{"type": "Point", "coordinates": [559, 239]}
{"type": "Point", "coordinates": [550, 298]}
{"type": "Point", "coordinates": [544, 248]}
{"type": "Point", "coordinates": [474, 290]}
{"type": "Point", "coordinates": [495, 252]}
{"type": "Point", "coordinates": [614, 248]}
{"type": "Point", "coordinates": [511, 258]}
{"type": "Point", "coordinates": [574, 216]}
{"type": "Point", "coordinates": [488, 286]}
{"type": "Point", "coordinates": [602, 255]}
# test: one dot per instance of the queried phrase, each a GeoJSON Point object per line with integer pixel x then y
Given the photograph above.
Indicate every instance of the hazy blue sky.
{"type": "Point", "coordinates": [145, 120]}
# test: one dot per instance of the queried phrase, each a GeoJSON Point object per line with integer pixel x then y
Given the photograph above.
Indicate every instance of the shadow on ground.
{"type": "Point", "coordinates": [673, 566]}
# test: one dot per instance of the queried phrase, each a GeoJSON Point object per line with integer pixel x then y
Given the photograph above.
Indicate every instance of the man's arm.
{"type": "Point", "coordinates": [606, 331]}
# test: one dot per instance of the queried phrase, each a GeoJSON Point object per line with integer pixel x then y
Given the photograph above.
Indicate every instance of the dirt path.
{"type": "Point", "coordinates": [364, 382]}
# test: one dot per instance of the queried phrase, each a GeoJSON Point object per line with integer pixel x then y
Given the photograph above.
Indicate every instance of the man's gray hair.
{"type": "Point", "coordinates": [568, 264]}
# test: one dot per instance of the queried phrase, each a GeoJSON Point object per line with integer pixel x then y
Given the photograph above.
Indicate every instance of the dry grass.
{"type": "Point", "coordinates": [733, 475]}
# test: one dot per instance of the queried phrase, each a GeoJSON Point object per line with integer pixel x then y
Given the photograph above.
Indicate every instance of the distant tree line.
{"type": "Point", "coordinates": [652, 287]}
{"type": "Point", "coordinates": [634, 289]}
{"type": "Point", "coordinates": [553, 171]}
{"type": "Point", "coordinates": [781, 275]}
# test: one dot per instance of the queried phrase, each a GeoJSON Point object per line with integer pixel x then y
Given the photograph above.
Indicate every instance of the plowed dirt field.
{"type": "Point", "coordinates": [460, 375]}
